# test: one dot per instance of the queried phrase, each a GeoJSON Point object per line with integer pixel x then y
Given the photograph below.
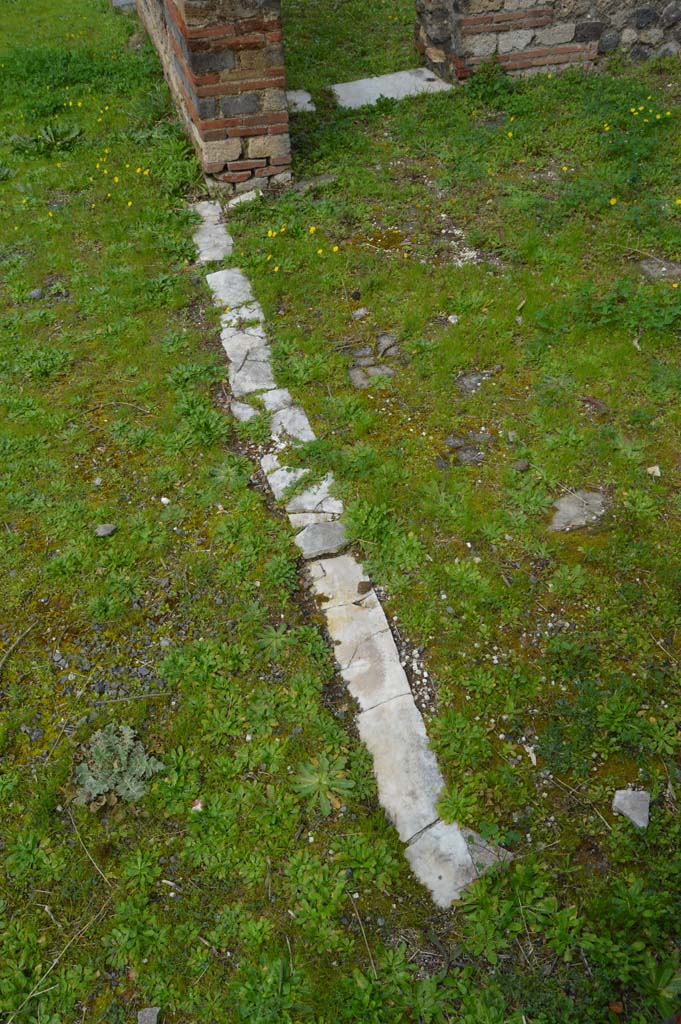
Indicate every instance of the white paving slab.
{"type": "Point", "coordinates": [279, 477]}
{"type": "Point", "coordinates": [211, 238]}
{"type": "Point", "coordinates": [441, 860]}
{"type": "Point", "coordinates": [319, 539]}
{"type": "Point", "coordinates": [368, 661]}
{"type": "Point", "coordinates": [300, 519]}
{"type": "Point", "coordinates": [292, 422]}
{"type": "Point", "coordinates": [300, 101]}
{"type": "Point", "coordinates": [316, 499]}
{"type": "Point", "coordinates": [243, 412]}
{"type": "Point", "coordinates": [339, 581]}
{"type": "Point", "coordinates": [230, 287]}
{"type": "Point", "coordinates": [251, 376]}
{"type": "Point", "coordinates": [397, 86]}
{"type": "Point", "coordinates": [242, 316]}
{"type": "Point", "coordinates": [245, 197]}
{"type": "Point", "coordinates": [242, 345]}
{"type": "Point", "coordinates": [408, 778]}
{"type": "Point", "coordinates": [277, 399]}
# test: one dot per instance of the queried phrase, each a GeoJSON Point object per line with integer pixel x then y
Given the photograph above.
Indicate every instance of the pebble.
{"type": "Point", "coordinates": [105, 529]}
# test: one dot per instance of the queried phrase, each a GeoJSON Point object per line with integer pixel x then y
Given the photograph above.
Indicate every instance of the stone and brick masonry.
{"type": "Point", "coordinates": [224, 62]}
{"type": "Point", "coordinates": [526, 36]}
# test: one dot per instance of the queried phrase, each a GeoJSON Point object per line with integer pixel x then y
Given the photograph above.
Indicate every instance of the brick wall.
{"type": "Point", "coordinates": [527, 36]}
{"type": "Point", "coordinates": [224, 62]}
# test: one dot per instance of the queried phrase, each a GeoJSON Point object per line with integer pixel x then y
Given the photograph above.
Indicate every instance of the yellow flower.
{"type": "Point", "coordinates": [675, 285]}
{"type": "Point", "coordinates": [549, 75]}
{"type": "Point", "coordinates": [564, 167]}
{"type": "Point", "coordinates": [50, 214]}
{"type": "Point", "coordinates": [105, 170]}
{"type": "Point", "coordinates": [641, 108]}
{"type": "Point", "coordinates": [116, 179]}
{"type": "Point", "coordinates": [138, 171]}
{"type": "Point", "coordinates": [269, 257]}
{"type": "Point", "coordinates": [270, 233]}
{"type": "Point", "coordinates": [510, 134]}
{"type": "Point", "coordinates": [276, 270]}
{"type": "Point", "coordinates": [129, 202]}
{"type": "Point", "coordinates": [312, 230]}
{"type": "Point", "coordinates": [282, 228]}
{"type": "Point", "coordinates": [667, 113]}
{"type": "Point", "coordinates": [632, 110]}
{"type": "Point", "coordinates": [320, 252]}
{"type": "Point", "coordinates": [146, 172]}
{"type": "Point", "coordinates": [335, 248]}
{"type": "Point", "coordinates": [678, 202]}
{"type": "Point", "coordinates": [613, 201]}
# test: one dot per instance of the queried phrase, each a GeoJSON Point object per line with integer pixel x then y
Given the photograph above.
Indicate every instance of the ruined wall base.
{"type": "Point", "coordinates": [224, 63]}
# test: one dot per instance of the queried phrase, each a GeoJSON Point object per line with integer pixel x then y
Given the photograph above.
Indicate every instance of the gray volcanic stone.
{"type": "Point", "coordinates": [408, 778]}
{"type": "Point", "coordinates": [105, 529]}
{"type": "Point", "coordinates": [36, 293]}
{"type": "Point", "coordinates": [580, 508]}
{"type": "Point", "coordinates": [322, 539]}
{"type": "Point", "coordinates": [671, 14]}
{"type": "Point", "coordinates": [660, 270]}
{"type": "Point", "coordinates": [645, 16]}
{"type": "Point", "coordinates": [588, 31]}
{"type": "Point", "coordinates": [148, 1015]}
{"type": "Point", "coordinates": [634, 804]}
{"type": "Point", "coordinates": [609, 41]}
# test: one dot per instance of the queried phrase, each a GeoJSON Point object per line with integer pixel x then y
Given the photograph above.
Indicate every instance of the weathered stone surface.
{"type": "Point", "coordinates": [277, 399]}
{"type": "Point", "coordinates": [484, 44]}
{"type": "Point", "coordinates": [316, 499]}
{"type": "Point", "coordinates": [230, 287]}
{"type": "Point", "coordinates": [517, 40]}
{"type": "Point", "coordinates": [240, 316]}
{"type": "Point", "coordinates": [251, 376]}
{"type": "Point", "coordinates": [482, 854]}
{"type": "Point", "coordinates": [609, 41]}
{"type": "Point", "coordinates": [148, 1015]}
{"type": "Point", "coordinates": [441, 860]}
{"type": "Point", "coordinates": [645, 16]}
{"type": "Point", "coordinates": [243, 345]}
{"type": "Point", "coordinates": [359, 378]}
{"type": "Point", "coordinates": [300, 101]}
{"type": "Point", "coordinates": [577, 509]}
{"type": "Point", "coordinates": [319, 539]}
{"type": "Point", "coordinates": [661, 270]}
{"type": "Point", "coordinates": [243, 412]}
{"type": "Point", "coordinates": [634, 804]}
{"type": "Point", "coordinates": [105, 529]}
{"type": "Point", "coordinates": [671, 14]}
{"type": "Point", "coordinates": [396, 86]}
{"type": "Point", "coordinates": [554, 35]}
{"type": "Point", "coordinates": [589, 31]}
{"type": "Point", "coordinates": [279, 477]}
{"type": "Point", "coordinates": [300, 519]}
{"type": "Point", "coordinates": [211, 237]}
{"type": "Point", "coordinates": [340, 581]}
{"type": "Point", "coordinates": [291, 421]}
{"type": "Point", "coordinates": [408, 778]}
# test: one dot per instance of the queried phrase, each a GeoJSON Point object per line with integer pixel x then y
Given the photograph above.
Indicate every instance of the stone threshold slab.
{"type": "Point", "coordinates": [397, 86]}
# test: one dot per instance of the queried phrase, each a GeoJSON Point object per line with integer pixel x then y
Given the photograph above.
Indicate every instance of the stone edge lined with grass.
{"type": "Point", "coordinates": [443, 857]}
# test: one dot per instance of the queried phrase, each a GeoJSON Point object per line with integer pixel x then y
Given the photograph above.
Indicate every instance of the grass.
{"type": "Point", "coordinates": [256, 878]}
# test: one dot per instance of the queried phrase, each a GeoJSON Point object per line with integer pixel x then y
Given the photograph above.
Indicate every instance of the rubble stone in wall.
{"type": "Point", "coordinates": [671, 14]}
{"type": "Point", "coordinates": [563, 32]}
{"type": "Point", "coordinates": [517, 40]}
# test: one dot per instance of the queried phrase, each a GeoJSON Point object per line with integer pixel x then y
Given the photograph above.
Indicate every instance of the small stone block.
{"type": "Point", "coordinates": [230, 287]}
{"type": "Point", "coordinates": [319, 539]}
{"type": "Point", "coordinates": [577, 509]}
{"type": "Point", "coordinates": [441, 860]}
{"type": "Point", "coordinates": [243, 345]}
{"type": "Point", "coordinates": [253, 375]}
{"type": "Point", "coordinates": [279, 477]}
{"type": "Point", "coordinates": [211, 237]}
{"type": "Point", "coordinates": [395, 86]}
{"type": "Point", "coordinates": [634, 804]}
{"type": "Point", "coordinates": [149, 1015]}
{"type": "Point", "coordinates": [408, 778]}
{"type": "Point", "coordinates": [291, 421]}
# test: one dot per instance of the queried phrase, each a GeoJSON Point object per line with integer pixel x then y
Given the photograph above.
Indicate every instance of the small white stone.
{"type": "Point", "coordinates": [243, 412]}
{"type": "Point", "coordinates": [240, 345]}
{"type": "Point", "coordinates": [634, 804]}
{"type": "Point", "coordinates": [245, 197]}
{"type": "Point", "coordinates": [300, 101]}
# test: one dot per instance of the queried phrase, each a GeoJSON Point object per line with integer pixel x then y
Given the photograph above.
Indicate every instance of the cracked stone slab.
{"type": "Point", "coordinates": [279, 477]}
{"type": "Point", "coordinates": [291, 421]}
{"type": "Point", "coordinates": [365, 650]}
{"type": "Point", "coordinates": [634, 804]}
{"type": "Point", "coordinates": [577, 509]}
{"type": "Point", "coordinates": [211, 238]}
{"type": "Point", "coordinates": [230, 287]}
{"type": "Point", "coordinates": [242, 345]}
{"type": "Point", "coordinates": [243, 412]}
{"type": "Point", "coordinates": [441, 860]}
{"type": "Point", "coordinates": [300, 519]}
{"type": "Point", "coordinates": [340, 581]}
{"type": "Point", "coordinates": [396, 86]}
{"type": "Point", "coordinates": [279, 398]}
{"type": "Point", "coordinates": [253, 375]}
{"type": "Point", "coordinates": [317, 498]}
{"type": "Point", "coordinates": [322, 539]}
{"type": "Point", "coordinates": [300, 101]}
{"type": "Point", "coordinates": [408, 778]}
{"type": "Point", "coordinates": [247, 314]}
